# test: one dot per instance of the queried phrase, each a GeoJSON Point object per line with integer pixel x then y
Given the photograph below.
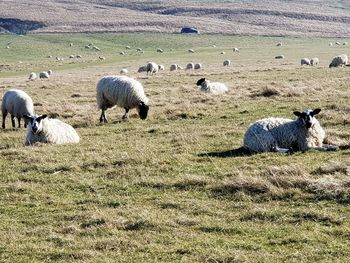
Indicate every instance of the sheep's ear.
{"type": "Point", "coordinates": [27, 117]}
{"type": "Point", "coordinates": [315, 111]}
{"type": "Point", "coordinates": [297, 113]}
{"type": "Point", "coordinates": [41, 117]}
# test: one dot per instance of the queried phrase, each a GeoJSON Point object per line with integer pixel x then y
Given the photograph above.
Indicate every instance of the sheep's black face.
{"type": "Point", "coordinates": [34, 122]}
{"type": "Point", "coordinates": [143, 110]}
{"type": "Point", "coordinates": [199, 82]}
{"type": "Point", "coordinates": [307, 117]}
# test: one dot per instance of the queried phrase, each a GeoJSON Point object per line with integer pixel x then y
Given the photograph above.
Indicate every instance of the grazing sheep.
{"type": "Point", "coordinates": [124, 92]}
{"type": "Point", "coordinates": [78, 56]}
{"type": "Point", "coordinates": [190, 51]}
{"type": "Point", "coordinates": [174, 67]}
{"type": "Point", "coordinates": [152, 68]}
{"type": "Point", "coordinates": [124, 71]}
{"type": "Point", "coordinates": [305, 61]}
{"type": "Point", "coordinates": [212, 87]}
{"type": "Point", "coordinates": [159, 50]}
{"type": "Point", "coordinates": [279, 57]}
{"type": "Point", "coordinates": [314, 61]}
{"type": "Point", "coordinates": [17, 103]}
{"type": "Point", "coordinates": [330, 44]}
{"type": "Point", "coordinates": [127, 47]}
{"type": "Point", "coordinates": [45, 130]}
{"type": "Point", "coordinates": [32, 76]}
{"type": "Point", "coordinates": [142, 69]}
{"type": "Point", "coordinates": [44, 75]}
{"type": "Point", "coordinates": [227, 63]}
{"type": "Point", "coordinates": [71, 56]}
{"type": "Point", "coordinates": [235, 49]}
{"type": "Point", "coordinates": [96, 48]}
{"type": "Point", "coordinates": [223, 53]}
{"type": "Point", "coordinates": [101, 58]}
{"type": "Point", "coordinates": [122, 53]}
{"type": "Point", "coordinates": [341, 60]}
{"type": "Point", "coordinates": [160, 67]}
{"type": "Point", "coordinates": [337, 43]}
{"type": "Point", "coordinates": [49, 72]}
{"type": "Point", "coordinates": [70, 44]}
{"type": "Point", "coordinates": [345, 43]}
{"type": "Point", "coordinates": [279, 44]}
{"type": "Point", "coordinates": [139, 50]}
{"type": "Point", "coordinates": [190, 66]}
{"type": "Point", "coordinates": [197, 66]}
{"type": "Point", "coordinates": [282, 135]}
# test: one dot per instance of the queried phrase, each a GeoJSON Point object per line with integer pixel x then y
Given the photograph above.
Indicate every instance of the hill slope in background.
{"type": "Point", "coordinates": [327, 18]}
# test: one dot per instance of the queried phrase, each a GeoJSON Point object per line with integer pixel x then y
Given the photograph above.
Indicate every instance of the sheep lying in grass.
{"type": "Point", "coordinates": [17, 103]}
{"type": "Point", "coordinates": [314, 61]}
{"type": "Point", "coordinates": [32, 76]}
{"type": "Point", "coordinates": [305, 61]}
{"type": "Point", "coordinates": [212, 87]}
{"type": "Point", "coordinates": [283, 135]}
{"type": "Point", "coordinates": [45, 130]}
{"type": "Point", "coordinates": [341, 60]}
{"type": "Point", "coordinates": [227, 63]}
{"type": "Point", "coordinates": [124, 92]}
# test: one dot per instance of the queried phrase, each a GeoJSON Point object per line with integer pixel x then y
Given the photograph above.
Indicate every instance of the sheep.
{"type": "Point", "coordinates": [96, 48]}
{"type": "Point", "coordinates": [174, 67]}
{"type": "Point", "coordinates": [44, 75]}
{"type": "Point", "coordinates": [139, 50]}
{"type": "Point", "coordinates": [190, 66]}
{"type": "Point", "coordinates": [124, 71]}
{"type": "Point", "coordinates": [337, 43]}
{"type": "Point", "coordinates": [142, 69]}
{"type": "Point", "coordinates": [339, 61]}
{"type": "Point", "coordinates": [223, 53]}
{"type": "Point", "coordinates": [71, 56]}
{"type": "Point", "coordinates": [42, 129]}
{"type": "Point", "coordinates": [345, 43]}
{"type": "Point", "coordinates": [124, 92]}
{"type": "Point", "coordinates": [227, 62]}
{"type": "Point", "coordinates": [279, 44]}
{"type": "Point", "coordinates": [305, 61]}
{"type": "Point", "coordinates": [127, 47]}
{"type": "Point", "coordinates": [197, 66]}
{"type": "Point", "coordinates": [314, 61]}
{"type": "Point", "coordinates": [78, 56]}
{"type": "Point", "coordinates": [235, 49]}
{"type": "Point", "coordinates": [49, 72]}
{"type": "Point", "coordinates": [101, 58]}
{"type": "Point", "coordinates": [212, 87]}
{"type": "Point", "coordinates": [283, 135]}
{"type": "Point", "coordinates": [330, 44]}
{"type": "Point", "coordinates": [122, 53]}
{"type": "Point", "coordinates": [159, 50]}
{"type": "Point", "coordinates": [17, 103]}
{"type": "Point", "coordinates": [279, 57]}
{"type": "Point", "coordinates": [70, 44]}
{"type": "Point", "coordinates": [190, 51]}
{"type": "Point", "coordinates": [152, 68]}
{"type": "Point", "coordinates": [32, 76]}
{"type": "Point", "coordinates": [160, 67]}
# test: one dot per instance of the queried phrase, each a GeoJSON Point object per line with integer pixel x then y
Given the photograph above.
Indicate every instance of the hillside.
{"type": "Point", "coordinates": [321, 18]}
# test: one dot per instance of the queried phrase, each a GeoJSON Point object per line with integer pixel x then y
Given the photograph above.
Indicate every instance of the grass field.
{"type": "Point", "coordinates": [174, 188]}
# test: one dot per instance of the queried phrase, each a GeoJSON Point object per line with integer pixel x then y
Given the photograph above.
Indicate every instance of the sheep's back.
{"type": "Point", "coordinates": [17, 103]}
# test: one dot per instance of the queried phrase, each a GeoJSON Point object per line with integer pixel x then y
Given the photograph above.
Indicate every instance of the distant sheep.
{"type": "Point", "coordinates": [127, 47]}
{"type": "Point", "coordinates": [314, 61]}
{"type": "Point", "coordinates": [197, 66]}
{"type": "Point", "coordinates": [101, 58]}
{"type": "Point", "coordinates": [345, 43]}
{"type": "Point", "coordinates": [174, 67]}
{"type": "Point", "coordinates": [44, 75]}
{"type": "Point", "coordinates": [139, 50]}
{"type": "Point", "coordinates": [235, 49]}
{"type": "Point", "coordinates": [305, 61]}
{"type": "Point", "coordinates": [32, 76]}
{"type": "Point", "coordinates": [190, 66]}
{"type": "Point", "coordinates": [341, 60]}
{"type": "Point", "coordinates": [330, 44]}
{"type": "Point", "coordinates": [279, 57]}
{"type": "Point", "coordinates": [223, 53]}
{"type": "Point", "coordinates": [124, 71]}
{"type": "Point", "coordinates": [282, 135]}
{"type": "Point", "coordinates": [160, 67]}
{"type": "Point", "coordinates": [17, 103]}
{"type": "Point", "coordinates": [212, 87]}
{"type": "Point", "coordinates": [71, 56]}
{"type": "Point", "coordinates": [279, 44]}
{"type": "Point", "coordinates": [96, 48]}
{"type": "Point", "coordinates": [78, 56]}
{"type": "Point", "coordinates": [142, 69]}
{"type": "Point", "coordinates": [45, 130]}
{"type": "Point", "coordinates": [152, 68]}
{"type": "Point", "coordinates": [124, 92]}
{"type": "Point", "coordinates": [49, 72]}
{"type": "Point", "coordinates": [70, 44]}
{"type": "Point", "coordinates": [227, 63]}
{"type": "Point", "coordinates": [337, 43]}
{"type": "Point", "coordinates": [190, 51]}
{"type": "Point", "coordinates": [159, 50]}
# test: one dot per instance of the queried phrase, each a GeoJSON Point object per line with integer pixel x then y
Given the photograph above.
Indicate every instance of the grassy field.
{"type": "Point", "coordinates": [174, 188]}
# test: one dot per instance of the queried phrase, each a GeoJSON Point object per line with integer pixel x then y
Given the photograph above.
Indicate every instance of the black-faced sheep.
{"type": "Point", "coordinates": [212, 87]}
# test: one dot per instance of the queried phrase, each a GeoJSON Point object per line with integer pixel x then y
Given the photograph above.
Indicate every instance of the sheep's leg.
{"type": "Point", "coordinates": [103, 117]}
{"type": "Point", "coordinates": [4, 114]}
{"type": "Point", "coordinates": [13, 121]}
{"type": "Point", "coordinates": [19, 122]}
{"type": "Point", "coordinates": [126, 115]}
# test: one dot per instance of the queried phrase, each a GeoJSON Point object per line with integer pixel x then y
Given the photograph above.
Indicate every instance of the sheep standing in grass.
{"type": "Point", "coordinates": [174, 67]}
{"type": "Point", "coordinates": [282, 135]}
{"type": "Point", "coordinates": [341, 60]}
{"type": "Point", "coordinates": [227, 63]}
{"type": "Point", "coordinates": [212, 87]}
{"type": "Point", "coordinates": [17, 103]}
{"type": "Point", "coordinates": [124, 92]}
{"type": "Point", "coordinates": [45, 130]}
{"type": "Point", "coordinates": [305, 61]}
{"type": "Point", "coordinates": [32, 76]}
{"type": "Point", "coordinates": [152, 68]}
{"type": "Point", "coordinates": [44, 75]}
{"type": "Point", "coordinates": [314, 61]}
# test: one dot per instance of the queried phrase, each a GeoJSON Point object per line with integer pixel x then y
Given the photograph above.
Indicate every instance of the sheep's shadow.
{"type": "Point", "coordinates": [239, 152]}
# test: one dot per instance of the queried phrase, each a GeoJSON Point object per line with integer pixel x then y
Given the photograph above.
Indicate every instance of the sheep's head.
{"type": "Point", "coordinates": [307, 117]}
{"type": "Point", "coordinates": [143, 110]}
{"type": "Point", "coordinates": [35, 122]}
{"type": "Point", "coordinates": [199, 82]}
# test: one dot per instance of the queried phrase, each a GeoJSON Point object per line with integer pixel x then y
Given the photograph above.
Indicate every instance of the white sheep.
{"type": "Point", "coordinates": [282, 135]}
{"type": "Point", "coordinates": [159, 50]}
{"type": "Point", "coordinates": [197, 66]}
{"type": "Point", "coordinates": [44, 75]}
{"type": "Point", "coordinates": [139, 50]}
{"type": "Point", "coordinates": [17, 103]}
{"type": "Point", "coordinates": [190, 66]}
{"type": "Point", "coordinates": [160, 67]}
{"type": "Point", "coordinates": [45, 130]}
{"type": "Point", "coordinates": [78, 56]}
{"type": "Point", "coordinates": [227, 62]}
{"type": "Point", "coordinates": [341, 60]}
{"type": "Point", "coordinates": [124, 71]}
{"type": "Point", "coordinates": [212, 87]}
{"type": "Point", "coordinates": [235, 49]}
{"type": "Point", "coordinates": [152, 68]}
{"type": "Point", "coordinates": [222, 52]}
{"type": "Point", "coordinates": [174, 67]}
{"type": "Point", "coordinates": [314, 61]}
{"type": "Point", "coordinates": [71, 56]}
{"type": "Point", "coordinates": [337, 43]}
{"type": "Point", "coordinates": [305, 61]}
{"type": "Point", "coordinates": [124, 92]}
{"type": "Point", "coordinates": [127, 47]}
{"type": "Point", "coordinates": [190, 51]}
{"type": "Point", "coordinates": [32, 76]}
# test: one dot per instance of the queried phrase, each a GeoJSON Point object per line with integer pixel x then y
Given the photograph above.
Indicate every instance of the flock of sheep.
{"type": "Point", "coordinates": [269, 134]}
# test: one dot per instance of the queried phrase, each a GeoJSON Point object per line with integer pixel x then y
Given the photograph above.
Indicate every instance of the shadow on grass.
{"type": "Point", "coordinates": [241, 151]}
